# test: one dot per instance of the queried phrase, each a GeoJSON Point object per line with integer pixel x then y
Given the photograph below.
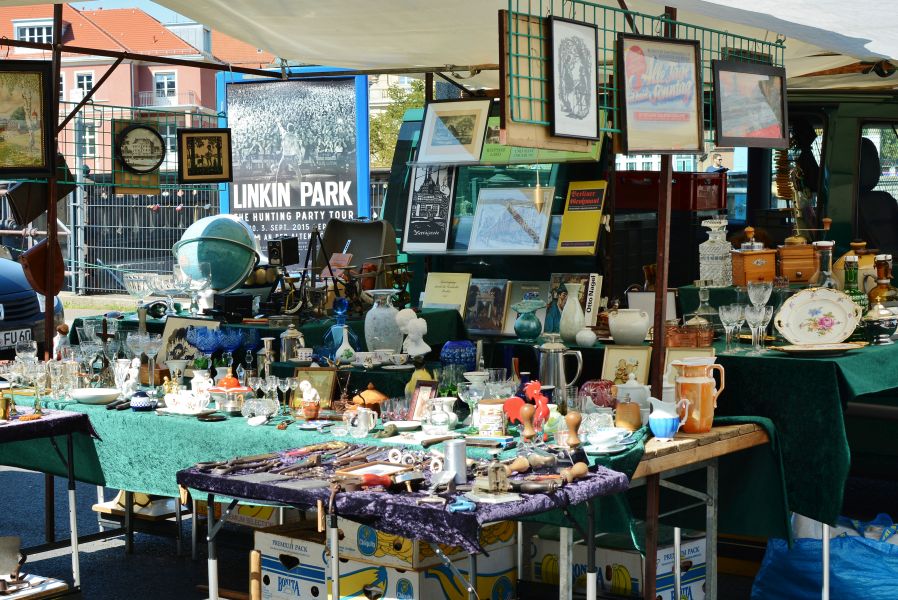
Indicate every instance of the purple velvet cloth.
{"type": "Point", "coordinates": [400, 514]}
{"type": "Point", "coordinates": [53, 423]}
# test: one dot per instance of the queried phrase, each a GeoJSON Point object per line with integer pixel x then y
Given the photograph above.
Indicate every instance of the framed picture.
{"type": "Point", "coordinates": [424, 391]}
{"type": "Point", "coordinates": [575, 105]}
{"type": "Point", "coordinates": [620, 361]}
{"type": "Point", "coordinates": [174, 339]}
{"type": "Point", "coordinates": [323, 379]}
{"type": "Point", "coordinates": [673, 354]}
{"type": "Point", "coordinates": [429, 211]}
{"type": "Point", "coordinates": [750, 105]}
{"type": "Point", "coordinates": [26, 142]}
{"type": "Point", "coordinates": [660, 95]}
{"type": "Point", "coordinates": [453, 132]}
{"type": "Point", "coordinates": [140, 148]}
{"type": "Point", "coordinates": [511, 219]}
{"type": "Point", "coordinates": [204, 156]}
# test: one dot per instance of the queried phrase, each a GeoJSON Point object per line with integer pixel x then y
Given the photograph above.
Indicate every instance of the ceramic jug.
{"type": "Point", "coordinates": [695, 384]}
{"type": "Point", "coordinates": [628, 326]}
{"type": "Point", "coordinates": [572, 317]}
{"type": "Point", "coordinates": [664, 420]}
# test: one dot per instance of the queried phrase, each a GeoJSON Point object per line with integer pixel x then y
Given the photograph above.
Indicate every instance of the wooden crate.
{"type": "Point", "coordinates": [753, 265]}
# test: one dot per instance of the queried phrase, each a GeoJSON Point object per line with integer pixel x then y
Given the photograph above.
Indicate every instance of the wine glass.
{"type": "Point", "coordinates": [26, 350]}
{"type": "Point", "coordinates": [151, 346]}
{"type": "Point", "coordinates": [230, 338]}
{"type": "Point", "coordinates": [138, 286]}
{"type": "Point", "coordinates": [135, 342]}
{"type": "Point", "coordinates": [754, 314]}
{"type": "Point", "coordinates": [167, 285]}
{"type": "Point", "coordinates": [759, 292]}
{"type": "Point", "coordinates": [470, 393]}
{"type": "Point", "coordinates": [195, 277]}
{"type": "Point", "coordinates": [728, 314]}
{"type": "Point", "coordinates": [740, 319]}
{"type": "Point", "coordinates": [284, 387]}
{"type": "Point", "coordinates": [768, 315]}
{"type": "Point", "coordinates": [250, 405]}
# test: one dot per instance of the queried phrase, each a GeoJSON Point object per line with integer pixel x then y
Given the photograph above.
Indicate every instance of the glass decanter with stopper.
{"type": "Point", "coordinates": [823, 277]}
{"type": "Point", "coordinates": [714, 261]}
{"type": "Point", "coordinates": [884, 292]}
{"type": "Point", "coordinates": [705, 312]}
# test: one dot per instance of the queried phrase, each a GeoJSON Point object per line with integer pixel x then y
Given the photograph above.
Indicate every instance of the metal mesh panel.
{"type": "Point", "coordinates": [528, 66]}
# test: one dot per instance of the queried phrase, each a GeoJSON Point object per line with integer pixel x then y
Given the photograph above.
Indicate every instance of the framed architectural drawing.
{"type": "Point", "coordinates": [453, 132]}
{"type": "Point", "coordinates": [575, 106]}
{"type": "Point", "coordinates": [429, 211]}
{"type": "Point", "coordinates": [511, 219]}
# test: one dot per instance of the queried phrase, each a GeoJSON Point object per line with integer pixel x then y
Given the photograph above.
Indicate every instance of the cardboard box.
{"type": "Point", "coordinates": [621, 571]}
{"type": "Point", "coordinates": [250, 515]}
{"type": "Point", "coordinates": [295, 564]}
{"type": "Point", "coordinates": [366, 544]}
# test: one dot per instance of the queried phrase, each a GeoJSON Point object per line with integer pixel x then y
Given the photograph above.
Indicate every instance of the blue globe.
{"type": "Point", "coordinates": [223, 241]}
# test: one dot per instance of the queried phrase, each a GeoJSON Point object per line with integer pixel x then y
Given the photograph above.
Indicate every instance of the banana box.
{"type": "Point", "coordinates": [621, 571]}
{"type": "Point", "coordinates": [292, 566]}
{"type": "Point", "coordinates": [366, 544]}
{"type": "Point", "coordinates": [250, 515]}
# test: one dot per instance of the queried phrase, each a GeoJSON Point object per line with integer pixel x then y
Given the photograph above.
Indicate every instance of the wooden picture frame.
{"type": "Point", "coordinates": [750, 105]}
{"type": "Point", "coordinates": [660, 95]}
{"type": "Point", "coordinates": [323, 379]}
{"type": "Point", "coordinates": [619, 361]}
{"type": "Point", "coordinates": [424, 391]}
{"type": "Point", "coordinates": [572, 86]}
{"type": "Point", "coordinates": [140, 148]}
{"type": "Point", "coordinates": [205, 155]}
{"type": "Point", "coordinates": [672, 354]}
{"type": "Point", "coordinates": [453, 132]}
{"type": "Point", "coordinates": [428, 215]}
{"type": "Point", "coordinates": [511, 219]}
{"type": "Point", "coordinates": [26, 137]}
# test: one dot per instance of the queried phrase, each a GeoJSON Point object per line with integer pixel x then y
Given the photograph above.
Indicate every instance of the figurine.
{"type": "Point", "coordinates": [132, 380]}
{"type": "Point", "coordinates": [414, 343]}
{"type": "Point", "coordinates": [403, 318]}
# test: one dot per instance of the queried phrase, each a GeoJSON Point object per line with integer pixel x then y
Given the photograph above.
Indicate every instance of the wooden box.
{"type": "Point", "coordinates": [797, 263]}
{"type": "Point", "coordinates": [753, 265]}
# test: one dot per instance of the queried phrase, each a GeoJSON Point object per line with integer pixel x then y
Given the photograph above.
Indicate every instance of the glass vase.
{"type": "Point", "coordinates": [381, 330]}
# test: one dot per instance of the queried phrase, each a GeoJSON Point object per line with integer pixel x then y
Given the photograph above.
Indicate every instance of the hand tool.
{"type": "Point", "coordinates": [360, 455]}
{"type": "Point", "coordinates": [495, 481]}
{"type": "Point", "coordinates": [518, 465]}
{"type": "Point", "coordinates": [437, 440]}
{"type": "Point", "coordinates": [237, 460]}
{"type": "Point", "coordinates": [571, 474]}
{"type": "Point", "coordinates": [573, 419]}
{"type": "Point", "coordinates": [540, 486]}
{"type": "Point", "coordinates": [284, 424]}
{"type": "Point", "coordinates": [123, 406]}
{"type": "Point", "coordinates": [114, 403]}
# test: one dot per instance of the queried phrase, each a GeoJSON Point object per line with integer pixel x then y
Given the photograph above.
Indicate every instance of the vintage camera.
{"type": "Point", "coordinates": [283, 252]}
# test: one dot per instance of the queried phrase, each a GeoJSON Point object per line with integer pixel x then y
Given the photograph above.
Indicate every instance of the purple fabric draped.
{"type": "Point", "coordinates": [53, 423]}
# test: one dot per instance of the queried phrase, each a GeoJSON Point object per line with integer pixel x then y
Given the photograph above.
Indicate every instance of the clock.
{"type": "Point", "coordinates": [140, 148]}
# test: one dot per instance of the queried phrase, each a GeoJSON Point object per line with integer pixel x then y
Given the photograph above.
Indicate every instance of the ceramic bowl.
{"type": "Point", "coordinates": [95, 395]}
{"type": "Point", "coordinates": [361, 357]}
{"type": "Point", "coordinates": [399, 359]}
{"type": "Point", "coordinates": [143, 403]}
{"type": "Point", "coordinates": [477, 376]}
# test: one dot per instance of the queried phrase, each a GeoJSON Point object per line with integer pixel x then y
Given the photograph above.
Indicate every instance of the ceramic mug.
{"type": "Point", "coordinates": [383, 355]}
{"type": "Point", "coordinates": [362, 422]}
{"type": "Point", "coordinates": [664, 428]}
{"type": "Point", "coordinates": [399, 359]}
{"type": "Point", "coordinates": [361, 357]}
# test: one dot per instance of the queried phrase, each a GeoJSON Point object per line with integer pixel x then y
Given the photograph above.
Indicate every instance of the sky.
{"type": "Point", "coordinates": [159, 12]}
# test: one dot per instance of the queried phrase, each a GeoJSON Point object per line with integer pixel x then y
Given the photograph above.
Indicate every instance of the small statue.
{"type": "Point", "coordinates": [169, 386]}
{"type": "Point", "coordinates": [414, 343]}
{"type": "Point", "coordinates": [132, 380]}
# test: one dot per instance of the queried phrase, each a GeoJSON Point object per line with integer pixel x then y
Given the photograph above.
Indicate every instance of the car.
{"type": "Point", "coordinates": [21, 310]}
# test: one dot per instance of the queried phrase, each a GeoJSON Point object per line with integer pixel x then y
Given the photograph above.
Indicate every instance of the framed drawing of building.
{"type": "Point", "coordinates": [429, 211]}
{"type": "Point", "coordinates": [454, 131]}
{"type": "Point", "coordinates": [25, 129]}
{"type": "Point", "coordinates": [204, 156]}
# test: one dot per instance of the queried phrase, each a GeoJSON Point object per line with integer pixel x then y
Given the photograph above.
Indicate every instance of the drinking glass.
{"type": "Point", "coordinates": [496, 375]}
{"type": "Point", "coordinates": [152, 344]}
{"type": "Point", "coordinates": [54, 367]}
{"type": "Point", "coordinates": [740, 319]}
{"type": "Point", "coordinates": [759, 292]}
{"type": "Point", "coordinates": [471, 394]}
{"type": "Point", "coordinates": [138, 286]}
{"type": "Point", "coordinates": [284, 386]}
{"type": "Point", "coordinates": [135, 342]}
{"type": "Point", "coordinates": [768, 315]}
{"type": "Point", "coordinates": [728, 316]}
{"type": "Point", "coordinates": [167, 285]}
{"type": "Point", "coordinates": [26, 350]}
{"type": "Point", "coordinates": [755, 317]}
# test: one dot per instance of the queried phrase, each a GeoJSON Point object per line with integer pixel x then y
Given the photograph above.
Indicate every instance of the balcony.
{"type": "Point", "coordinates": [180, 99]}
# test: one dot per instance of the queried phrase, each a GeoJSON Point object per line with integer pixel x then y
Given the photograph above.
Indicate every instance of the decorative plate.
{"type": "Point", "coordinates": [819, 349]}
{"type": "Point", "coordinates": [95, 395]}
{"type": "Point", "coordinates": [817, 316]}
{"type": "Point", "coordinates": [609, 449]}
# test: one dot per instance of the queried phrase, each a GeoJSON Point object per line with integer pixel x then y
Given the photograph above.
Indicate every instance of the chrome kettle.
{"type": "Point", "coordinates": [551, 367]}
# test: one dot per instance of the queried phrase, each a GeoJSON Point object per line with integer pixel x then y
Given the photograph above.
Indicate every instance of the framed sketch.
{"type": "Point", "coordinates": [575, 105]}
{"type": "Point", "coordinates": [750, 105]}
{"type": "Point", "coordinates": [323, 379]}
{"type": "Point", "coordinates": [453, 132]}
{"type": "Point", "coordinates": [660, 95]}
{"type": "Point", "coordinates": [620, 361]}
{"type": "Point", "coordinates": [672, 354]}
{"type": "Point", "coordinates": [140, 148]}
{"type": "Point", "coordinates": [174, 339]}
{"type": "Point", "coordinates": [26, 138]}
{"type": "Point", "coordinates": [511, 219]}
{"type": "Point", "coordinates": [424, 391]}
{"type": "Point", "coordinates": [204, 156]}
{"type": "Point", "coordinates": [429, 210]}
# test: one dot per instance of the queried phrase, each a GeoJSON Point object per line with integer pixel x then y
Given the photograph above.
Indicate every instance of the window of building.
{"type": "Point", "coordinates": [61, 86]}
{"type": "Point", "coordinates": [165, 84]}
{"type": "Point", "coordinates": [88, 140]}
{"type": "Point", "coordinates": [84, 82]}
{"type": "Point", "coordinates": [169, 133]}
{"type": "Point", "coordinates": [35, 32]}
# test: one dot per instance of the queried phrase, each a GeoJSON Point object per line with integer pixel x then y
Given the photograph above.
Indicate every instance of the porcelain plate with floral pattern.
{"type": "Point", "coordinates": [819, 349]}
{"type": "Point", "coordinates": [817, 316]}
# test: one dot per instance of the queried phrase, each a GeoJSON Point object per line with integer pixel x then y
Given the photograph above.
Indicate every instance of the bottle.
{"type": "Point", "coordinates": [884, 292]}
{"type": "Point", "coordinates": [851, 288]}
{"type": "Point", "coordinates": [714, 261]}
{"type": "Point", "coordinates": [823, 278]}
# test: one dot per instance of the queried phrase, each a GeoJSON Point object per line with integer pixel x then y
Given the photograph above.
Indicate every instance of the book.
{"type": "Point", "coordinates": [485, 306]}
{"type": "Point", "coordinates": [519, 290]}
{"type": "Point", "coordinates": [590, 290]}
{"type": "Point", "coordinates": [444, 289]}
{"type": "Point", "coordinates": [582, 219]}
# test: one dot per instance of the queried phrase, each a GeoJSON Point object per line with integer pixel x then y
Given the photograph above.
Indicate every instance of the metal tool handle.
{"type": "Point", "coordinates": [573, 419]}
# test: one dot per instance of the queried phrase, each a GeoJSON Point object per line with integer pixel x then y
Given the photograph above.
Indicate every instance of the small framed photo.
{"type": "Point", "coordinates": [750, 105]}
{"type": "Point", "coordinates": [323, 379]}
{"type": "Point", "coordinates": [673, 354]}
{"type": "Point", "coordinates": [660, 95]}
{"type": "Point", "coordinates": [510, 219]}
{"type": "Point", "coordinates": [620, 361]}
{"type": "Point", "coordinates": [575, 104]}
{"type": "Point", "coordinates": [454, 131]}
{"type": "Point", "coordinates": [26, 139]}
{"type": "Point", "coordinates": [424, 391]}
{"type": "Point", "coordinates": [204, 156]}
{"type": "Point", "coordinates": [429, 211]}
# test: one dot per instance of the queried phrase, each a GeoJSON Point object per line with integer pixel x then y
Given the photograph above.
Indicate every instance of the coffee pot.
{"type": "Point", "coordinates": [552, 371]}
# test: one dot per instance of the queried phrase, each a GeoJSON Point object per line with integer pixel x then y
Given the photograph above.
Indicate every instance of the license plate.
{"type": "Point", "coordinates": [9, 338]}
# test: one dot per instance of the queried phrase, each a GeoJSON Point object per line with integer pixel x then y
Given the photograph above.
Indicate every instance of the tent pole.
{"type": "Point", "coordinates": [52, 241]}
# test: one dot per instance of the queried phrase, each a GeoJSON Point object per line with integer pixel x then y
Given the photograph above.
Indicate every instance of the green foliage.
{"type": "Point", "coordinates": [18, 114]}
{"type": "Point", "coordinates": [385, 126]}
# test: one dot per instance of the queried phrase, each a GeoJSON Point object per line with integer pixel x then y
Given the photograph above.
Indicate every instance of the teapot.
{"type": "Point", "coordinates": [637, 392]}
{"type": "Point", "coordinates": [696, 384]}
{"type": "Point", "coordinates": [664, 420]}
{"type": "Point", "coordinates": [628, 326]}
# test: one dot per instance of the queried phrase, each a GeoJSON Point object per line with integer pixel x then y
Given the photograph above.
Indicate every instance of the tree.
{"type": "Point", "coordinates": [385, 126]}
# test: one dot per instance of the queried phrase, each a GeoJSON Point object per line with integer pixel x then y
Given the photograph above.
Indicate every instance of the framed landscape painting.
{"type": "Point", "coordinates": [454, 131]}
{"type": "Point", "coordinates": [25, 129]}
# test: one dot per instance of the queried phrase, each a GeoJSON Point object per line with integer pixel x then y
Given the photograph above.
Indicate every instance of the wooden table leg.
{"type": "Point", "coordinates": [653, 490]}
